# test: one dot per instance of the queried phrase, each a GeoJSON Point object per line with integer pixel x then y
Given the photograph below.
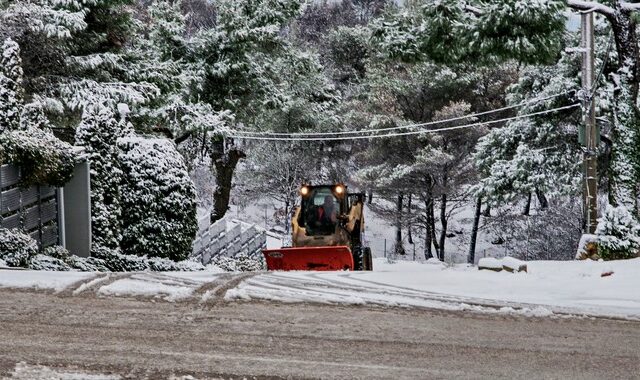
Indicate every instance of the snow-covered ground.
{"type": "Point", "coordinates": [574, 287]}
{"type": "Point", "coordinates": [57, 281]}
{"type": "Point", "coordinates": [565, 287]}
{"type": "Point", "coordinates": [25, 371]}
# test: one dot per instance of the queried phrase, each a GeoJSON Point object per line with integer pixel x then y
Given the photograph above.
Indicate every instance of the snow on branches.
{"type": "Point", "coordinates": [159, 197]}
{"type": "Point", "coordinates": [98, 133]}
{"type": "Point", "coordinates": [618, 234]}
{"type": "Point", "coordinates": [11, 91]}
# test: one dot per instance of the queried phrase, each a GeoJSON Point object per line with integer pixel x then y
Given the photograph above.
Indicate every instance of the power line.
{"type": "Point", "coordinates": [360, 137]}
{"type": "Point", "coordinates": [435, 122]}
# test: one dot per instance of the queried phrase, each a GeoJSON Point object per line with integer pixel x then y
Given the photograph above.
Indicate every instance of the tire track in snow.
{"type": "Point", "coordinates": [214, 292]}
{"type": "Point", "coordinates": [84, 287]}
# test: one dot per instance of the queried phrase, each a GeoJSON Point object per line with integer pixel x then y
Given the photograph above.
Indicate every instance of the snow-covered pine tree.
{"type": "Point", "coordinates": [542, 154]}
{"type": "Point", "coordinates": [98, 133]}
{"type": "Point", "coordinates": [239, 55]}
{"type": "Point", "coordinates": [159, 199]}
{"type": "Point", "coordinates": [618, 234]}
{"type": "Point", "coordinates": [71, 50]}
{"type": "Point", "coordinates": [11, 90]}
{"type": "Point", "coordinates": [485, 31]}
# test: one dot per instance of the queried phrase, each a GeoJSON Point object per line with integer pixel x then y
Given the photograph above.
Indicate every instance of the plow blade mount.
{"type": "Point", "coordinates": [309, 258]}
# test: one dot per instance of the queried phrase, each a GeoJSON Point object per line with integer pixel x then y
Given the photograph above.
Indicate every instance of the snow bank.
{"type": "Point", "coordinates": [490, 263]}
{"type": "Point", "coordinates": [40, 279]}
{"type": "Point", "coordinates": [585, 287]}
{"type": "Point", "coordinates": [571, 287]}
{"type": "Point", "coordinates": [139, 287]}
{"type": "Point", "coordinates": [39, 372]}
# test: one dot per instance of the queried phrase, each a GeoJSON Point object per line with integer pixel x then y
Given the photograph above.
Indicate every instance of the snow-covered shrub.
{"type": "Point", "coordinates": [159, 199]}
{"type": "Point", "coordinates": [159, 264]}
{"type": "Point", "coordinates": [98, 133]}
{"type": "Point", "coordinates": [189, 266]}
{"type": "Point", "coordinates": [87, 264]}
{"type": "Point", "coordinates": [16, 247]}
{"type": "Point", "coordinates": [618, 234]}
{"type": "Point", "coordinates": [44, 262]}
{"type": "Point", "coordinates": [112, 260]}
{"type": "Point", "coordinates": [117, 262]}
{"type": "Point", "coordinates": [241, 263]}
{"type": "Point", "coordinates": [57, 252]}
{"type": "Point", "coordinates": [43, 158]}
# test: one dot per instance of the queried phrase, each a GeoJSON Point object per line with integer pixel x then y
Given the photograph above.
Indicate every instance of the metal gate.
{"type": "Point", "coordinates": [33, 209]}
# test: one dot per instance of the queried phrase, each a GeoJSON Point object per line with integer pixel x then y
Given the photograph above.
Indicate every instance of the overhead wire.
{"type": "Point", "coordinates": [435, 122]}
{"type": "Point", "coordinates": [397, 134]}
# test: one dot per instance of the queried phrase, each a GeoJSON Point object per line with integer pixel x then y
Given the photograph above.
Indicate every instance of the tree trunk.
{"type": "Point", "coordinates": [542, 200]}
{"type": "Point", "coordinates": [432, 227]}
{"type": "Point", "coordinates": [428, 203]}
{"type": "Point", "coordinates": [286, 218]}
{"type": "Point", "coordinates": [399, 249]}
{"type": "Point", "coordinates": [428, 208]}
{"type": "Point", "coordinates": [443, 225]}
{"type": "Point", "coordinates": [487, 211]}
{"type": "Point", "coordinates": [474, 231]}
{"type": "Point", "coordinates": [527, 206]}
{"type": "Point", "coordinates": [409, 235]}
{"type": "Point", "coordinates": [225, 165]}
{"type": "Point", "coordinates": [370, 196]}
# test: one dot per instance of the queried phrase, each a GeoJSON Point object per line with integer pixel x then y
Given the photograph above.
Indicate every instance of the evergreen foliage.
{"type": "Point", "coordinates": [618, 234]}
{"type": "Point", "coordinates": [11, 91]}
{"type": "Point", "coordinates": [159, 199]}
{"type": "Point", "coordinates": [16, 247]}
{"type": "Point", "coordinates": [242, 263]}
{"type": "Point", "coordinates": [49, 263]}
{"type": "Point", "coordinates": [450, 31]}
{"type": "Point", "coordinates": [98, 133]}
{"type": "Point", "coordinates": [43, 158]}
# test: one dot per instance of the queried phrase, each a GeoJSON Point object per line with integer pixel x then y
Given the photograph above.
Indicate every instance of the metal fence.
{"type": "Point", "coordinates": [32, 209]}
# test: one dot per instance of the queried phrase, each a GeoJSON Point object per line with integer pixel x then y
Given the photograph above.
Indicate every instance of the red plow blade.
{"type": "Point", "coordinates": [309, 258]}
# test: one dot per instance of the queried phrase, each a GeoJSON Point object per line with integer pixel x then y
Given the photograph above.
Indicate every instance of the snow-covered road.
{"type": "Point", "coordinates": [105, 337]}
{"type": "Point", "coordinates": [548, 288]}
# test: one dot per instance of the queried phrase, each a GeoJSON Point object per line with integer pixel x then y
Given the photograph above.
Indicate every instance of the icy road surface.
{"type": "Point", "coordinates": [45, 333]}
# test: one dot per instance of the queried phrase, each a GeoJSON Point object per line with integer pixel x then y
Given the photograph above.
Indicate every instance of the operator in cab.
{"type": "Point", "coordinates": [327, 212]}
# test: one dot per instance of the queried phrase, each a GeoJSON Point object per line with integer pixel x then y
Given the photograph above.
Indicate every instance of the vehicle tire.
{"type": "Point", "coordinates": [367, 259]}
{"type": "Point", "coordinates": [358, 258]}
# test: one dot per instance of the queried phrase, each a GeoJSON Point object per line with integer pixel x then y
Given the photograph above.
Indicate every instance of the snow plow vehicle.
{"type": "Point", "coordinates": [327, 232]}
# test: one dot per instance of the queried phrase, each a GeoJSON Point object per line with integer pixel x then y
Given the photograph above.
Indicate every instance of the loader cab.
{"type": "Point", "coordinates": [322, 208]}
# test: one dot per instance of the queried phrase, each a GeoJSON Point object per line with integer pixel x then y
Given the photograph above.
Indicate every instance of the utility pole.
{"type": "Point", "coordinates": [590, 133]}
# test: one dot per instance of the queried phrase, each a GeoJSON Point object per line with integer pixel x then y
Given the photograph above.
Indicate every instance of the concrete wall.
{"type": "Point", "coordinates": [76, 212]}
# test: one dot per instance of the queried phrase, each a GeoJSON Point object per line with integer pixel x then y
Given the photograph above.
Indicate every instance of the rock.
{"type": "Point", "coordinates": [588, 247]}
{"type": "Point", "coordinates": [511, 264]}
{"type": "Point", "coordinates": [490, 263]}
